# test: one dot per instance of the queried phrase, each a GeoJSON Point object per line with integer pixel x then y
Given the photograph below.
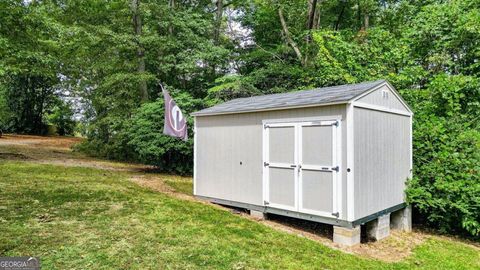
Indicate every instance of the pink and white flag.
{"type": "Point", "coordinates": [175, 123]}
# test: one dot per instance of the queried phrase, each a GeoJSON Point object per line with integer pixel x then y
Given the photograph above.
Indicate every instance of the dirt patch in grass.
{"type": "Point", "coordinates": [41, 141]}
{"type": "Point", "coordinates": [57, 150]}
{"type": "Point", "coordinates": [13, 156]}
{"type": "Point", "coordinates": [158, 183]}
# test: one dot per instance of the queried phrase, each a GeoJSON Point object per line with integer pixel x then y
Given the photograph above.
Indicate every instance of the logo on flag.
{"type": "Point", "coordinates": [175, 123]}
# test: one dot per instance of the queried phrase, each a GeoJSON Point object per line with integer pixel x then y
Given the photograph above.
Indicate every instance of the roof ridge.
{"type": "Point", "coordinates": [311, 89]}
{"type": "Point", "coordinates": [319, 95]}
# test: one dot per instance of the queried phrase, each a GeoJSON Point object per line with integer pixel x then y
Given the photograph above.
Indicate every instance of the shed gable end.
{"type": "Point", "coordinates": [384, 97]}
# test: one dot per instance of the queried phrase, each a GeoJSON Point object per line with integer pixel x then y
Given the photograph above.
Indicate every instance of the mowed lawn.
{"type": "Point", "coordinates": [84, 218]}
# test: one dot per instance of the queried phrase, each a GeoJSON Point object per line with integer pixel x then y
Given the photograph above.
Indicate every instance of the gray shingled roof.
{"type": "Point", "coordinates": [318, 96]}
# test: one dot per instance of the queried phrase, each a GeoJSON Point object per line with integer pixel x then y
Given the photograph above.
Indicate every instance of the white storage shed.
{"type": "Point", "coordinates": [339, 155]}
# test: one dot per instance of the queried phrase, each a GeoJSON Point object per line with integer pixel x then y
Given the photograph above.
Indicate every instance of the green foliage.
{"type": "Point", "coordinates": [29, 65]}
{"type": "Point", "coordinates": [446, 183]}
{"type": "Point", "coordinates": [61, 116]}
{"type": "Point", "coordinates": [230, 87]}
{"type": "Point", "coordinates": [6, 114]}
{"type": "Point", "coordinates": [152, 147]}
{"type": "Point", "coordinates": [29, 97]}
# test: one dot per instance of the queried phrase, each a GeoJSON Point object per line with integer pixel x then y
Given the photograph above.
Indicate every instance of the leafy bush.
{"type": "Point", "coordinates": [155, 148]}
{"type": "Point", "coordinates": [6, 114]}
{"type": "Point", "coordinates": [62, 117]}
{"type": "Point", "coordinates": [446, 144]}
{"type": "Point", "coordinates": [108, 138]}
{"type": "Point", "coordinates": [230, 87]}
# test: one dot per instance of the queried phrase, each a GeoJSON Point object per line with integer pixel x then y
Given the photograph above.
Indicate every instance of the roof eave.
{"type": "Point", "coordinates": [195, 114]}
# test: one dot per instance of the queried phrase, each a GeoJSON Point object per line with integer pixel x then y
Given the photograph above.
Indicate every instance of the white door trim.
{"type": "Point", "coordinates": [266, 171]}
{"type": "Point", "coordinates": [336, 172]}
{"type": "Point", "coordinates": [336, 161]}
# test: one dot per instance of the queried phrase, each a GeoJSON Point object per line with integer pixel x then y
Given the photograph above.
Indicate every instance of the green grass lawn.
{"type": "Point", "coordinates": [180, 184]}
{"type": "Point", "coordinates": [84, 218]}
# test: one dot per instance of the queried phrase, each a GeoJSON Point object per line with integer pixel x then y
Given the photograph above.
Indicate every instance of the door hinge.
{"type": "Point", "coordinates": [265, 164]}
{"type": "Point", "coordinates": [266, 203]}
{"type": "Point", "coordinates": [265, 126]}
{"type": "Point", "coordinates": [335, 124]}
{"type": "Point", "coordinates": [337, 169]}
{"type": "Point", "coordinates": [336, 214]}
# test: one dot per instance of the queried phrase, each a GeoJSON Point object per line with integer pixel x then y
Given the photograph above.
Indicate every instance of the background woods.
{"type": "Point", "coordinates": [94, 66]}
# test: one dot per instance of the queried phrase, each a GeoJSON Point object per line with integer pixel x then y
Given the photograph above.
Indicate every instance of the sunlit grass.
{"type": "Point", "coordinates": [84, 218]}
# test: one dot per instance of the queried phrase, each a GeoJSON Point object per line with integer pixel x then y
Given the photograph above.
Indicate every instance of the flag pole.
{"type": "Point", "coordinates": [161, 87]}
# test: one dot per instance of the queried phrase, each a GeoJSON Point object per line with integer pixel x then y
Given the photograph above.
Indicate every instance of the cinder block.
{"type": "Point", "coordinates": [379, 228]}
{"type": "Point", "coordinates": [402, 219]}
{"type": "Point", "coordinates": [346, 236]}
{"type": "Point", "coordinates": [258, 214]}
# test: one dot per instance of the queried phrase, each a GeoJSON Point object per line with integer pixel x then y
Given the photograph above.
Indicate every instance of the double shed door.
{"type": "Point", "coordinates": [301, 166]}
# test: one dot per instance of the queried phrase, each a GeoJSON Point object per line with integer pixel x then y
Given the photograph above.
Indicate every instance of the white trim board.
{"type": "Point", "coordinates": [380, 108]}
{"type": "Point", "coordinates": [195, 152]}
{"type": "Point", "coordinates": [302, 119]}
{"type": "Point", "coordinates": [350, 165]}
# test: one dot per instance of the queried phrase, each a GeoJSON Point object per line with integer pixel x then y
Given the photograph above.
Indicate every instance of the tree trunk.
{"type": "Point", "coordinates": [171, 4]}
{"type": "Point", "coordinates": [337, 24]}
{"type": "Point", "coordinates": [137, 27]}
{"type": "Point", "coordinates": [359, 16]}
{"type": "Point", "coordinates": [311, 15]}
{"type": "Point", "coordinates": [287, 36]}
{"type": "Point", "coordinates": [312, 5]}
{"type": "Point", "coordinates": [366, 19]}
{"type": "Point", "coordinates": [316, 24]}
{"type": "Point", "coordinates": [218, 22]}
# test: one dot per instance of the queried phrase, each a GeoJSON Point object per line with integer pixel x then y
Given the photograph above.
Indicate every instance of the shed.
{"type": "Point", "coordinates": [338, 155]}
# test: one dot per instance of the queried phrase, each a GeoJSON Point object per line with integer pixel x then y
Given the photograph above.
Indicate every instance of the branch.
{"type": "Point", "coordinates": [287, 36]}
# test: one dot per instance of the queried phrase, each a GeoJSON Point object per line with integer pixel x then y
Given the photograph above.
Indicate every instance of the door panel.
{"type": "Point", "coordinates": [317, 145]}
{"type": "Point", "coordinates": [317, 177]}
{"type": "Point", "coordinates": [317, 189]}
{"type": "Point", "coordinates": [282, 186]}
{"type": "Point", "coordinates": [301, 168]}
{"type": "Point", "coordinates": [282, 145]}
{"type": "Point", "coordinates": [281, 170]}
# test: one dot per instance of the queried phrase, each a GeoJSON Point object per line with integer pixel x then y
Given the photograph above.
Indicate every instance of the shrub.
{"type": "Point", "coordinates": [61, 117]}
{"type": "Point", "coordinates": [446, 144]}
{"type": "Point", "coordinates": [152, 146]}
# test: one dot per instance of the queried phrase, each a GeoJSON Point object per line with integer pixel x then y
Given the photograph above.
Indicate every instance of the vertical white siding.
{"type": "Point", "coordinates": [382, 160]}
{"type": "Point", "coordinates": [388, 100]}
{"type": "Point", "coordinates": [223, 141]}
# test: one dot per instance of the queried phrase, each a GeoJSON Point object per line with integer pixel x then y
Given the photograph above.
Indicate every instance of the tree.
{"type": "Point", "coordinates": [137, 27]}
